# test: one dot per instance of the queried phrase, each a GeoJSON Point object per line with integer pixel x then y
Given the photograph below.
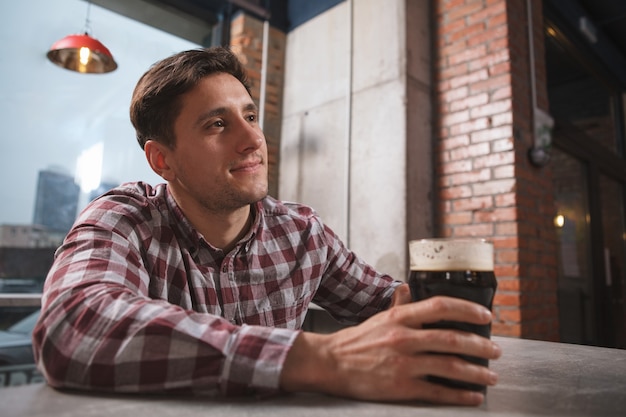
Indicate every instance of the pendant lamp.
{"type": "Point", "coordinates": [82, 53]}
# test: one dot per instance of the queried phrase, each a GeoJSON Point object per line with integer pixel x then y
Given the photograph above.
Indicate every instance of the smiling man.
{"type": "Point", "coordinates": [202, 283]}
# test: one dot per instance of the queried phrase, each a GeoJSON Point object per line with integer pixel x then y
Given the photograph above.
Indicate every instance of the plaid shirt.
{"type": "Point", "coordinates": [138, 301]}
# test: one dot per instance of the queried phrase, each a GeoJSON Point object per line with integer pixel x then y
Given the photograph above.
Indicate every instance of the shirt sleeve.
{"type": "Point", "coordinates": [100, 330]}
{"type": "Point", "coordinates": [351, 289]}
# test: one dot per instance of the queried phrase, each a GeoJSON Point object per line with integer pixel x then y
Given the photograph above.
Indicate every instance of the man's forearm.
{"type": "Point", "coordinates": [122, 343]}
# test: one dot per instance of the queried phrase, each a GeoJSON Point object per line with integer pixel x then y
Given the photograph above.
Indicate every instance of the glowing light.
{"type": "Point", "coordinates": [559, 220]}
{"type": "Point", "coordinates": [85, 55]}
{"type": "Point", "coordinates": [89, 168]}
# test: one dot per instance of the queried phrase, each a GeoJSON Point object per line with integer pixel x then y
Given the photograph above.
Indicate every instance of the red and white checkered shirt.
{"type": "Point", "coordinates": [138, 301]}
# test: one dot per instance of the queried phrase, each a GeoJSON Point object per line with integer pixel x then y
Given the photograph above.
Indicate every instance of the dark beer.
{"type": "Point", "coordinates": [455, 268]}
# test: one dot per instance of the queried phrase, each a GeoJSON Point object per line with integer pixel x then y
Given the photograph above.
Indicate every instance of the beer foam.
{"type": "Point", "coordinates": [451, 255]}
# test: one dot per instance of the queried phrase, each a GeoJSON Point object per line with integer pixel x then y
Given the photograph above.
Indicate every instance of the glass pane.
{"type": "Point", "coordinates": [612, 201]}
{"type": "Point", "coordinates": [579, 97]}
{"type": "Point", "coordinates": [66, 136]}
{"type": "Point", "coordinates": [575, 269]}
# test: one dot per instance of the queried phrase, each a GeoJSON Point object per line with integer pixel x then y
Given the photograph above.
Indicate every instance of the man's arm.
{"type": "Point", "coordinates": [388, 356]}
{"type": "Point", "coordinates": [110, 324]}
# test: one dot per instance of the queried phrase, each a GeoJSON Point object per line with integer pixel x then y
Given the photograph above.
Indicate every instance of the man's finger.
{"type": "Point", "coordinates": [434, 309]}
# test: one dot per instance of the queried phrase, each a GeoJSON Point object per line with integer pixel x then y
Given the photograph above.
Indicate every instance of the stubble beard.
{"type": "Point", "coordinates": [232, 199]}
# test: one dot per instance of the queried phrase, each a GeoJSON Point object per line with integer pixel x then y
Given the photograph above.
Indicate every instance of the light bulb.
{"type": "Point", "coordinates": [85, 55]}
{"type": "Point", "coordinates": [559, 220]}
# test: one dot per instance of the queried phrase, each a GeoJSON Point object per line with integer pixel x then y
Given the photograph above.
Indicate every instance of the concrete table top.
{"type": "Point", "coordinates": [536, 379]}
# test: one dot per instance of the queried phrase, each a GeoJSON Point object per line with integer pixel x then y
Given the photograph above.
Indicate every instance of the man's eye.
{"type": "Point", "coordinates": [219, 123]}
{"type": "Point", "coordinates": [252, 118]}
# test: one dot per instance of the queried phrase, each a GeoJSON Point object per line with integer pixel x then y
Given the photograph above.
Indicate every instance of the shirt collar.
{"type": "Point", "coordinates": [194, 238]}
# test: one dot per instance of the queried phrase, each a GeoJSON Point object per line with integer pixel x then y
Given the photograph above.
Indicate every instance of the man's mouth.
{"type": "Point", "coordinates": [251, 165]}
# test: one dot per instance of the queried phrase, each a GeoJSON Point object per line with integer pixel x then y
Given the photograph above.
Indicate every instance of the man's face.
{"type": "Point", "coordinates": [219, 161]}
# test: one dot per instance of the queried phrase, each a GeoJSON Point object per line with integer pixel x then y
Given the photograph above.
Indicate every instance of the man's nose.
{"type": "Point", "coordinates": [250, 136]}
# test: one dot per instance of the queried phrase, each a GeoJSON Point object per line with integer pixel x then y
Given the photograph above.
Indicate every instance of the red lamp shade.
{"type": "Point", "coordinates": [82, 53]}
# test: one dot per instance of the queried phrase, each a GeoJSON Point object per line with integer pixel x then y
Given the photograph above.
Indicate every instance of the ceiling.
{"type": "Point", "coordinates": [195, 20]}
{"type": "Point", "coordinates": [597, 28]}
{"type": "Point", "coordinates": [610, 17]}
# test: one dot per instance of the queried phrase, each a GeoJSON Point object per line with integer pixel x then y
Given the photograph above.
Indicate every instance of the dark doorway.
{"type": "Point", "coordinates": [589, 172]}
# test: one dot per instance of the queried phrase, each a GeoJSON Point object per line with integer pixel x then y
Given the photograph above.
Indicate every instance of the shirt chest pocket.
{"type": "Point", "coordinates": [288, 315]}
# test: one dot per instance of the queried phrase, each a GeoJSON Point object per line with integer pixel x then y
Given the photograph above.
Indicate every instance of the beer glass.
{"type": "Point", "coordinates": [461, 268]}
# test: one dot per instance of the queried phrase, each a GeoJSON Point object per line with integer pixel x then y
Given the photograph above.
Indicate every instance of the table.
{"type": "Point", "coordinates": [536, 379]}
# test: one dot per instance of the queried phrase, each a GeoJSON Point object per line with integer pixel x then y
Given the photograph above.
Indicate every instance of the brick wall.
{"type": "Point", "coordinates": [485, 184]}
{"type": "Point", "coordinates": [246, 40]}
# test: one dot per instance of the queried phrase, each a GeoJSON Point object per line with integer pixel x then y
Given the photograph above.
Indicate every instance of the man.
{"type": "Point", "coordinates": [202, 284]}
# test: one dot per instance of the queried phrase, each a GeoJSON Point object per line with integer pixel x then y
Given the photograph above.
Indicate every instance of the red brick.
{"type": "Point", "coordinates": [471, 101]}
{"type": "Point", "coordinates": [455, 118]}
{"type": "Point", "coordinates": [504, 242]}
{"type": "Point", "coordinates": [468, 177]}
{"type": "Point", "coordinates": [498, 44]}
{"type": "Point", "coordinates": [492, 108]}
{"type": "Point", "coordinates": [488, 36]}
{"type": "Point", "coordinates": [497, 20]}
{"type": "Point", "coordinates": [478, 77]}
{"type": "Point", "coordinates": [474, 230]}
{"type": "Point", "coordinates": [462, 11]}
{"type": "Point", "coordinates": [507, 256]}
{"type": "Point", "coordinates": [495, 159]}
{"type": "Point", "coordinates": [453, 72]}
{"type": "Point", "coordinates": [501, 119]}
{"type": "Point", "coordinates": [510, 315]}
{"type": "Point", "coordinates": [507, 229]}
{"type": "Point", "coordinates": [453, 95]}
{"type": "Point", "coordinates": [501, 93]}
{"type": "Point", "coordinates": [496, 62]}
{"type": "Point", "coordinates": [499, 68]}
{"type": "Point", "coordinates": [456, 218]}
{"type": "Point", "coordinates": [452, 193]}
{"type": "Point", "coordinates": [494, 187]}
{"type": "Point", "coordinates": [506, 271]}
{"type": "Point", "coordinates": [498, 8]}
{"type": "Point", "coordinates": [450, 27]}
{"type": "Point", "coordinates": [469, 151]}
{"type": "Point", "coordinates": [454, 142]}
{"type": "Point", "coordinates": [508, 284]}
{"type": "Point", "coordinates": [470, 126]}
{"type": "Point", "coordinates": [466, 33]}
{"type": "Point", "coordinates": [473, 203]}
{"type": "Point", "coordinates": [457, 166]}
{"type": "Point", "coordinates": [493, 133]}
{"type": "Point", "coordinates": [496, 215]}
{"type": "Point", "coordinates": [468, 54]}
{"type": "Point", "coordinates": [506, 298]}
{"type": "Point", "coordinates": [488, 83]}
{"type": "Point", "coordinates": [509, 330]}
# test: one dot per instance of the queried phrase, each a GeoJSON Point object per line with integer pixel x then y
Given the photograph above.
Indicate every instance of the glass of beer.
{"type": "Point", "coordinates": [461, 268]}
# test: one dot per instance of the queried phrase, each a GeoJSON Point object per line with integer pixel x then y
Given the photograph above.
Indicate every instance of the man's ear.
{"type": "Point", "coordinates": [157, 156]}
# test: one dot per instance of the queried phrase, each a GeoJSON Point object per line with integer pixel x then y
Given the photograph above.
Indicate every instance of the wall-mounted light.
{"type": "Point", "coordinates": [588, 29]}
{"type": "Point", "coordinates": [539, 153]}
{"type": "Point", "coordinates": [559, 220]}
{"type": "Point", "coordinates": [82, 53]}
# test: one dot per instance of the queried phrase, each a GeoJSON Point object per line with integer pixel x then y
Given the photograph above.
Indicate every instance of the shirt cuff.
{"type": "Point", "coordinates": [254, 360]}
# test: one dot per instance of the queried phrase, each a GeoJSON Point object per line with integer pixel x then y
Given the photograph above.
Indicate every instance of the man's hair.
{"type": "Point", "coordinates": [156, 101]}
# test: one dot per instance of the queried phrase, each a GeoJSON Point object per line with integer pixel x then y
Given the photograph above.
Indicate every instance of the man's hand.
{"type": "Point", "coordinates": [402, 295]}
{"type": "Point", "coordinates": [388, 356]}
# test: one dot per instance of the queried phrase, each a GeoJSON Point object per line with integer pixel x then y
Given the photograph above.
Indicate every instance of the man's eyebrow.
{"type": "Point", "coordinates": [251, 107]}
{"type": "Point", "coordinates": [221, 111]}
{"type": "Point", "coordinates": [211, 113]}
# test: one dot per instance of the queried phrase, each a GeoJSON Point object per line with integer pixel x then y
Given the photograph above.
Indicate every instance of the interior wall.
{"type": "Point", "coordinates": [346, 124]}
